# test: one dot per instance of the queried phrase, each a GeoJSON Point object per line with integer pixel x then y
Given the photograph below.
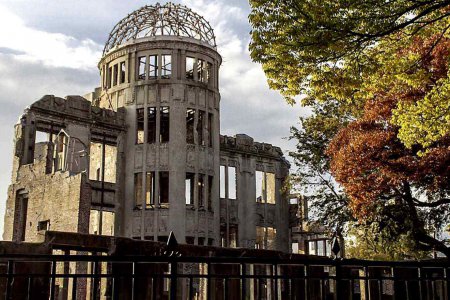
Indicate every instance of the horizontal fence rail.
{"type": "Point", "coordinates": [173, 277]}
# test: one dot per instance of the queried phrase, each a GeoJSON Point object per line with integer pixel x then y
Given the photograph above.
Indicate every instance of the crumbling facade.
{"type": "Point", "coordinates": [142, 155]}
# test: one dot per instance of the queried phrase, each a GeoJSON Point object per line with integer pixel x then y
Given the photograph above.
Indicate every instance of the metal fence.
{"type": "Point", "coordinates": [173, 277]}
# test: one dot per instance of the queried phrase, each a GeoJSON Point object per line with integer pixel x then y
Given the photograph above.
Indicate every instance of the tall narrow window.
{"type": "Point", "coordinates": [190, 188]}
{"type": "Point", "coordinates": [138, 190]}
{"type": "Point", "coordinates": [270, 187]}
{"type": "Point", "coordinates": [222, 182]}
{"type": "Point", "coordinates": [231, 183]}
{"type": "Point", "coordinates": [164, 124]}
{"type": "Point", "coordinates": [139, 126]}
{"type": "Point", "coordinates": [163, 187]}
{"type": "Point", "coordinates": [109, 79]}
{"type": "Point", "coordinates": [153, 67]}
{"type": "Point", "coordinates": [200, 126]}
{"type": "Point", "coordinates": [210, 185]}
{"type": "Point", "coordinates": [259, 186]}
{"type": "Point", "coordinates": [150, 189]}
{"type": "Point", "coordinates": [151, 125]}
{"type": "Point", "coordinates": [190, 63]}
{"type": "Point", "coordinates": [122, 72]}
{"type": "Point", "coordinates": [201, 190]}
{"type": "Point", "coordinates": [190, 117]}
{"type": "Point", "coordinates": [115, 74]}
{"type": "Point", "coordinates": [208, 72]}
{"type": "Point", "coordinates": [166, 68]}
{"type": "Point", "coordinates": [210, 130]}
{"type": "Point", "coordinates": [200, 70]}
{"type": "Point", "coordinates": [141, 67]}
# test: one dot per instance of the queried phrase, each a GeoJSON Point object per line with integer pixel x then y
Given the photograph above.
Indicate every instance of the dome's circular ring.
{"type": "Point", "coordinates": [154, 20]}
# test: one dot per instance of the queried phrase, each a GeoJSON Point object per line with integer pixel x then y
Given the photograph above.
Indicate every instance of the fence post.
{"type": "Point", "coordinates": [173, 279]}
{"type": "Point", "coordinates": [339, 294]}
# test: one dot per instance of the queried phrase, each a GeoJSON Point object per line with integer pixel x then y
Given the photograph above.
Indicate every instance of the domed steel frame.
{"type": "Point", "coordinates": [156, 20]}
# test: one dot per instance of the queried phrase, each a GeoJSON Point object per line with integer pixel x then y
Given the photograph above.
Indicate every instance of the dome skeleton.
{"type": "Point", "coordinates": [157, 20]}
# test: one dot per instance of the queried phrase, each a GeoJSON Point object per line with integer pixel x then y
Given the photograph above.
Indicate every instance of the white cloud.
{"type": "Point", "coordinates": [52, 49]}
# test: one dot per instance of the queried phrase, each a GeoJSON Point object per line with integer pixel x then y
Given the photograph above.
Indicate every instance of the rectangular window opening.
{"type": "Point", "coordinates": [200, 126]}
{"type": "Point", "coordinates": [150, 189]}
{"type": "Point", "coordinates": [210, 185]}
{"type": "Point", "coordinates": [122, 72]}
{"type": "Point", "coordinates": [166, 70]}
{"type": "Point", "coordinates": [210, 130]}
{"type": "Point", "coordinates": [270, 187]}
{"type": "Point", "coordinates": [151, 125]}
{"type": "Point", "coordinates": [142, 60]}
{"type": "Point", "coordinates": [209, 72]}
{"type": "Point", "coordinates": [201, 189]}
{"type": "Point", "coordinates": [259, 186]}
{"type": "Point", "coordinates": [43, 225]}
{"type": "Point", "coordinates": [115, 74]}
{"type": "Point", "coordinates": [139, 126]}
{"type": "Point", "coordinates": [190, 63]}
{"type": "Point", "coordinates": [200, 70]}
{"type": "Point", "coordinates": [109, 77]}
{"type": "Point", "coordinates": [163, 187]}
{"type": "Point", "coordinates": [190, 117]}
{"type": "Point", "coordinates": [138, 190]}
{"type": "Point", "coordinates": [153, 67]}
{"type": "Point", "coordinates": [222, 182]}
{"type": "Point", "coordinates": [190, 188]}
{"type": "Point", "coordinates": [164, 124]}
{"type": "Point", "coordinates": [232, 183]}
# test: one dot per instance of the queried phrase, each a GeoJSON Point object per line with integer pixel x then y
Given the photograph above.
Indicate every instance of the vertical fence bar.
{"type": "Point", "coordinates": [276, 281]}
{"type": "Point", "coordinates": [306, 273]}
{"type": "Point", "coordinates": [208, 281]}
{"type": "Point", "coordinates": [173, 279]}
{"type": "Point", "coordinates": [366, 283]}
{"type": "Point", "coordinates": [9, 280]}
{"type": "Point", "coordinates": [53, 279]}
{"type": "Point", "coordinates": [243, 281]}
{"type": "Point", "coordinates": [29, 288]}
{"type": "Point", "coordinates": [226, 287]}
{"type": "Point", "coordinates": [133, 279]}
{"type": "Point", "coordinates": [154, 288]}
{"type": "Point", "coordinates": [74, 288]}
{"type": "Point", "coordinates": [447, 284]}
{"type": "Point", "coordinates": [338, 282]}
{"type": "Point", "coordinates": [191, 288]}
{"type": "Point", "coordinates": [419, 277]}
{"type": "Point", "coordinates": [95, 280]}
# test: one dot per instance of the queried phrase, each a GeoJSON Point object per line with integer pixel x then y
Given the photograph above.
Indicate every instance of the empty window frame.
{"type": "Point", "coordinates": [163, 187]}
{"type": "Point", "coordinates": [209, 72]}
{"type": "Point", "coordinates": [138, 190]}
{"type": "Point", "coordinates": [149, 189]}
{"type": "Point", "coordinates": [190, 118]}
{"type": "Point", "coordinates": [231, 183]}
{"type": "Point", "coordinates": [222, 182]}
{"type": "Point", "coordinates": [153, 67]}
{"type": "Point", "coordinates": [210, 185]}
{"type": "Point", "coordinates": [122, 72]}
{"type": "Point", "coordinates": [115, 74]}
{"type": "Point", "coordinates": [190, 64]}
{"type": "Point", "coordinates": [109, 77]}
{"type": "Point", "coordinates": [270, 187]}
{"type": "Point", "coordinates": [139, 126]}
{"type": "Point", "coordinates": [142, 60]}
{"type": "Point", "coordinates": [259, 186]}
{"type": "Point", "coordinates": [201, 190]}
{"type": "Point", "coordinates": [164, 124]}
{"type": "Point", "coordinates": [200, 126]}
{"type": "Point", "coordinates": [151, 125]}
{"type": "Point", "coordinates": [210, 129]}
{"type": "Point", "coordinates": [190, 179]}
{"type": "Point", "coordinates": [166, 66]}
{"type": "Point", "coordinates": [200, 70]}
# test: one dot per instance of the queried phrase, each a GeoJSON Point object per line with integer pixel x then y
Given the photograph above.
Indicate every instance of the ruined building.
{"type": "Point", "coordinates": [142, 155]}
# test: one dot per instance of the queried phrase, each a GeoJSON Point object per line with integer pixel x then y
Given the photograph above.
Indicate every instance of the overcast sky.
{"type": "Point", "coordinates": [52, 47]}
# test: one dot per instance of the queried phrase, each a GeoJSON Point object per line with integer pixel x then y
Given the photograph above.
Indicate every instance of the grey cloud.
{"type": "Point", "coordinates": [6, 50]}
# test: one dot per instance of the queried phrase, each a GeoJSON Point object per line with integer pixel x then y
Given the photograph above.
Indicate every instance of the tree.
{"type": "Point", "coordinates": [385, 181]}
{"type": "Point", "coordinates": [326, 50]}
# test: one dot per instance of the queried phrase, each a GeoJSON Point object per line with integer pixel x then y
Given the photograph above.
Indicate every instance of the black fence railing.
{"type": "Point", "coordinates": [173, 277]}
